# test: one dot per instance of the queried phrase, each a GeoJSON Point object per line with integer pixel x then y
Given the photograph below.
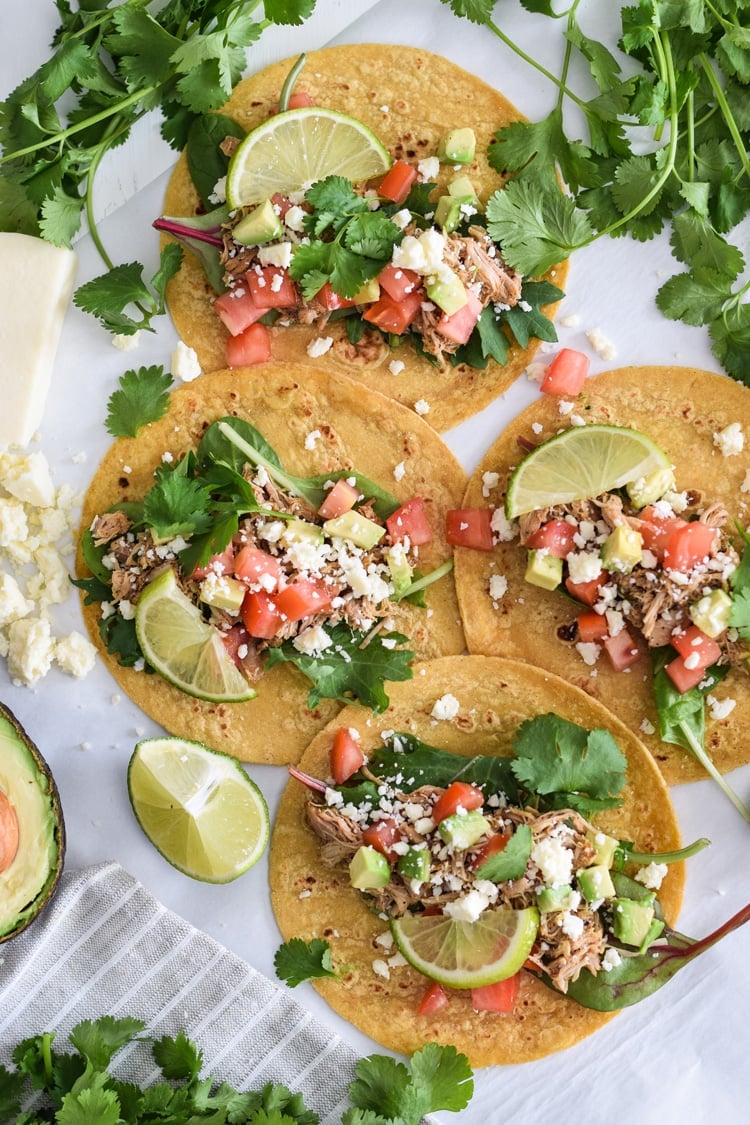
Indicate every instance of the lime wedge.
{"type": "Point", "coordinates": [198, 807]}
{"type": "Point", "coordinates": [299, 147]}
{"type": "Point", "coordinates": [467, 954]}
{"type": "Point", "coordinates": [183, 648]}
{"type": "Point", "coordinates": [579, 463]}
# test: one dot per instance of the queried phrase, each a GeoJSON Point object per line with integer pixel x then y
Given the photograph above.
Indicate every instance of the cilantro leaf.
{"type": "Point", "coordinates": [178, 1057]}
{"type": "Point", "coordinates": [142, 397]}
{"type": "Point", "coordinates": [98, 1040]}
{"type": "Point", "coordinates": [93, 1103]}
{"type": "Point", "coordinates": [478, 11]}
{"type": "Point", "coordinates": [334, 201]}
{"type": "Point", "coordinates": [296, 961]}
{"type": "Point", "coordinates": [696, 297]}
{"type": "Point", "coordinates": [177, 505]}
{"type": "Point", "coordinates": [554, 755]}
{"type": "Point", "coordinates": [536, 228]}
{"type": "Point", "coordinates": [349, 669]}
{"type": "Point", "coordinates": [108, 295]}
{"type": "Point", "coordinates": [510, 863]}
{"type": "Point", "coordinates": [11, 1088]}
{"type": "Point", "coordinates": [440, 1078]}
{"type": "Point", "coordinates": [739, 617]}
{"type": "Point", "coordinates": [730, 336]}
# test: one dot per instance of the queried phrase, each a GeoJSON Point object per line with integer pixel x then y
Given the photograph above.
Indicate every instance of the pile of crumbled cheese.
{"type": "Point", "coordinates": [36, 521]}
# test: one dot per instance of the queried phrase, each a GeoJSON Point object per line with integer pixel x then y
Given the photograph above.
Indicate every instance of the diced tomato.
{"type": "Point", "coordinates": [303, 598]}
{"type": "Point", "coordinates": [434, 999]}
{"type": "Point", "coordinates": [9, 834]}
{"type": "Point", "coordinates": [655, 530]}
{"type": "Point", "coordinates": [253, 346]}
{"type": "Point", "coordinates": [398, 282]}
{"type": "Point", "coordinates": [469, 527]}
{"type": "Point", "coordinates": [496, 843]}
{"type": "Point", "coordinates": [331, 300]}
{"type": "Point", "coordinates": [237, 310]}
{"type": "Point", "coordinates": [281, 203]}
{"type": "Point", "coordinates": [683, 678]}
{"type": "Point", "coordinates": [234, 639]}
{"type": "Point", "coordinates": [260, 616]}
{"type": "Point", "coordinates": [586, 592]}
{"type": "Point", "coordinates": [272, 287]}
{"type": "Point", "coordinates": [410, 522]}
{"type": "Point", "coordinates": [692, 642]}
{"type": "Point", "coordinates": [396, 184]}
{"type": "Point", "coordinates": [299, 100]}
{"type": "Point", "coordinates": [394, 316]}
{"type": "Point", "coordinates": [555, 536]}
{"type": "Point", "coordinates": [566, 374]}
{"type": "Point", "coordinates": [592, 626]}
{"type": "Point", "coordinates": [382, 835]}
{"type": "Point", "coordinates": [498, 997]}
{"type": "Point", "coordinates": [217, 564]}
{"type": "Point", "coordinates": [621, 650]}
{"type": "Point", "coordinates": [251, 565]}
{"type": "Point", "coordinates": [460, 325]}
{"type": "Point", "coordinates": [346, 755]}
{"type": "Point", "coordinates": [688, 546]}
{"type": "Point", "coordinates": [458, 793]}
{"type": "Point", "coordinates": [342, 498]}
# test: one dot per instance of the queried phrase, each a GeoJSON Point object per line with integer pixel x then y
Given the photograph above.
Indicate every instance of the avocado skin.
{"type": "Point", "coordinates": [42, 896]}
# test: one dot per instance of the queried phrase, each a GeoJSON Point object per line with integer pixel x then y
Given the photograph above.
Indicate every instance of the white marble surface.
{"type": "Point", "coordinates": [680, 1056]}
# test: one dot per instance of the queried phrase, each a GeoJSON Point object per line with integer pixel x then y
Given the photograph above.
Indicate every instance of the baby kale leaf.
{"type": "Point", "coordinates": [142, 397]}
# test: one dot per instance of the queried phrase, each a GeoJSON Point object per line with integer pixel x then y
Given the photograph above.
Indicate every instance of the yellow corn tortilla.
{"type": "Point", "coordinates": [409, 98]}
{"type": "Point", "coordinates": [358, 429]}
{"type": "Point", "coordinates": [495, 696]}
{"type": "Point", "coordinates": [681, 409]}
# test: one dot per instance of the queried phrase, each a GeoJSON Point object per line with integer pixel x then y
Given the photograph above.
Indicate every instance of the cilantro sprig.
{"type": "Point", "coordinates": [109, 65]}
{"type": "Point", "coordinates": [141, 397]}
{"type": "Point", "coordinates": [77, 1087]}
{"type": "Point", "coordinates": [666, 146]}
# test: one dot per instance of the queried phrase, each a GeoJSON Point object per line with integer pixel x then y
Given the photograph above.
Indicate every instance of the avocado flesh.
{"type": "Point", "coordinates": [27, 884]}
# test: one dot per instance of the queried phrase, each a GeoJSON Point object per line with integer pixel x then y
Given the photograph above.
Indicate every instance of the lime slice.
{"type": "Point", "coordinates": [299, 147]}
{"type": "Point", "coordinates": [579, 463]}
{"type": "Point", "coordinates": [183, 648]}
{"type": "Point", "coordinates": [198, 807]}
{"type": "Point", "coordinates": [467, 954]}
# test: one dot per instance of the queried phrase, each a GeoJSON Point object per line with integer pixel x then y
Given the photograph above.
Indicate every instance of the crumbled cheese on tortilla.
{"type": "Point", "coordinates": [446, 707]}
{"type": "Point", "coordinates": [589, 652]}
{"type": "Point", "coordinates": [490, 480]}
{"type": "Point", "coordinates": [312, 439]}
{"type": "Point", "coordinates": [731, 440]}
{"type": "Point", "coordinates": [294, 219]}
{"type": "Point", "coordinates": [468, 907]}
{"type": "Point", "coordinates": [277, 254]}
{"type": "Point", "coordinates": [399, 470]}
{"type": "Point", "coordinates": [564, 407]}
{"type": "Point", "coordinates": [720, 708]}
{"type": "Point", "coordinates": [319, 346]}
{"type": "Point", "coordinates": [503, 529]}
{"type": "Point", "coordinates": [381, 969]}
{"type": "Point", "coordinates": [429, 168]}
{"type": "Point", "coordinates": [601, 345]}
{"type": "Point", "coordinates": [537, 427]}
{"type": "Point", "coordinates": [745, 486]}
{"type": "Point", "coordinates": [421, 406]}
{"type": "Point", "coordinates": [652, 875]}
{"type": "Point", "coordinates": [647, 726]}
{"type": "Point", "coordinates": [554, 861]}
{"type": "Point", "coordinates": [498, 586]}
{"type": "Point", "coordinates": [584, 566]}
{"type": "Point", "coordinates": [396, 366]}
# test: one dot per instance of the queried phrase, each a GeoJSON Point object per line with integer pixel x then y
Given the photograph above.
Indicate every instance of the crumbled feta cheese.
{"type": "Point", "coordinates": [312, 641]}
{"type": "Point", "coordinates": [385, 939]}
{"type": "Point", "coordinates": [564, 407]}
{"type": "Point", "coordinates": [75, 654]}
{"type": "Point", "coordinates": [13, 604]}
{"type": "Point", "coordinates": [423, 254]}
{"type": "Point", "coordinates": [399, 470]}
{"type": "Point", "coordinates": [583, 566]}
{"type": "Point", "coordinates": [319, 346]}
{"type": "Point", "coordinates": [745, 486]}
{"type": "Point", "coordinates": [503, 529]}
{"type": "Point", "coordinates": [589, 652]}
{"type": "Point", "coordinates": [571, 925]}
{"type": "Point", "coordinates": [294, 218]}
{"type": "Point", "coordinates": [652, 876]}
{"type": "Point", "coordinates": [402, 218]}
{"type": "Point", "coordinates": [468, 907]}
{"type": "Point", "coordinates": [429, 168]}
{"type": "Point", "coordinates": [537, 427]}
{"type": "Point", "coordinates": [490, 480]}
{"type": "Point", "coordinates": [381, 969]}
{"type": "Point", "coordinates": [446, 707]}
{"type": "Point", "coordinates": [601, 345]}
{"type": "Point", "coordinates": [14, 526]}
{"type": "Point", "coordinates": [571, 321]}
{"type": "Point", "coordinates": [421, 406]}
{"type": "Point", "coordinates": [396, 366]}
{"type": "Point", "coordinates": [498, 586]}
{"type": "Point", "coordinates": [536, 371]}
{"type": "Point", "coordinates": [647, 726]}
{"type": "Point", "coordinates": [184, 364]}
{"type": "Point", "coordinates": [731, 440]}
{"type": "Point", "coordinates": [554, 861]}
{"type": "Point", "coordinates": [611, 959]}
{"type": "Point", "coordinates": [126, 341]}
{"type": "Point", "coordinates": [312, 439]}
{"type": "Point", "coordinates": [720, 708]}
{"type": "Point", "coordinates": [277, 254]}
{"type": "Point", "coordinates": [28, 478]}
{"type": "Point", "coordinates": [219, 193]}
{"type": "Point", "coordinates": [30, 649]}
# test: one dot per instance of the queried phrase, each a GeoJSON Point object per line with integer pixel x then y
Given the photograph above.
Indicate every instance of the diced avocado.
{"type": "Point", "coordinates": [544, 569]}
{"type": "Point", "coordinates": [463, 829]}
{"type": "Point", "coordinates": [605, 847]}
{"type": "Point", "coordinates": [447, 290]}
{"type": "Point", "coordinates": [448, 213]}
{"type": "Point", "coordinates": [622, 549]}
{"type": "Point", "coordinates": [369, 292]}
{"type": "Point", "coordinates": [457, 147]}
{"type": "Point", "coordinates": [369, 869]}
{"type": "Point", "coordinates": [360, 530]}
{"type": "Point", "coordinates": [400, 571]}
{"type": "Point", "coordinates": [631, 920]}
{"type": "Point", "coordinates": [463, 188]}
{"type": "Point", "coordinates": [32, 831]}
{"type": "Point", "coordinates": [300, 531]}
{"type": "Point", "coordinates": [222, 592]}
{"type": "Point", "coordinates": [596, 883]}
{"type": "Point", "coordinates": [415, 864]}
{"type": "Point", "coordinates": [711, 612]}
{"type": "Point", "coordinates": [647, 490]}
{"type": "Point", "coordinates": [550, 899]}
{"type": "Point", "coordinates": [259, 226]}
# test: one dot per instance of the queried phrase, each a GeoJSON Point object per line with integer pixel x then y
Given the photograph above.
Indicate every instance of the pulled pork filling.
{"type": "Point", "coordinates": [353, 584]}
{"type": "Point", "coordinates": [568, 940]}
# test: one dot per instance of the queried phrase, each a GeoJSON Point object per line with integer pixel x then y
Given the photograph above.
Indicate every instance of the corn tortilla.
{"type": "Point", "coordinates": [681, 409]}
{"type": "Point", "coordinates": [358, 429]}
{"type": "Point", "coordinates": [409, 98]}
{"type": "Point", "coordinates": [495, 696]}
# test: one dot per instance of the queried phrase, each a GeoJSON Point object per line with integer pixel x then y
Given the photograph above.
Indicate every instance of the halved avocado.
{"type": "Point", "coordinates": [31, 866]}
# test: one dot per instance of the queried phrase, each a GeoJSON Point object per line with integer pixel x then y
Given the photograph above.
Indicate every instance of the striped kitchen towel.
{"type": "Point", "coordinates": [106, 946]}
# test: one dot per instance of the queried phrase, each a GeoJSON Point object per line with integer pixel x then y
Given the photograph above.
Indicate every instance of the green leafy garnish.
{"type": "Point", "coordinates": [384, 1090]}
{"type": "Point", "coordinates": [107, 297]}
{"type": "Point", "coordinates": [296, 961]}
{"type": "Point", "coordinates": [142, 397]}
{"type": "Point", "coordinates": [511, 862]}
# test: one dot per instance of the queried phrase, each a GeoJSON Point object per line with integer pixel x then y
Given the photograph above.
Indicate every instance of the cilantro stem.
{"type": "Point", "coordinates": [697, 750]}
{"type": "Point", "coordinates": [726, 112]}
{"type": "Point", "coordinates": [289, 83]}
{"type": "Point", "coordinates": [533, 62]}
{"type": "Point", "coordinates": [670, 857]}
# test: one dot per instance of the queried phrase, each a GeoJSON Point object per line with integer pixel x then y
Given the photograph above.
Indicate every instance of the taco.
{"type": "Point", "coordinates": [668, 616]}
{"type": "Point", "coordinates": [474, 713]}
{"type": "Point", "coordinates": [411, 100]}
{"type": "Point", "coordinates": [245, 512]}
